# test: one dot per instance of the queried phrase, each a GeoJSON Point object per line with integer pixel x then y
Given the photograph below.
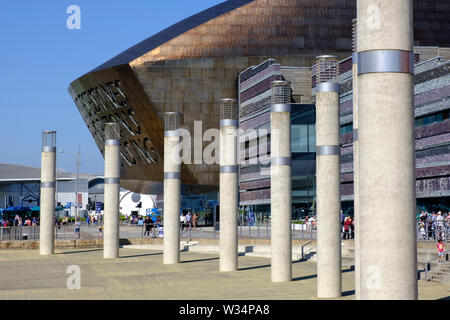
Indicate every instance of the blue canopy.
{"type": "Point", "coordinates": [16, 209]}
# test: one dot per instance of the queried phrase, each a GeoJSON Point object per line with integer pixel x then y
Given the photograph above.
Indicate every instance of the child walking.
{"type": "Point", "coordinates": [440, 247]}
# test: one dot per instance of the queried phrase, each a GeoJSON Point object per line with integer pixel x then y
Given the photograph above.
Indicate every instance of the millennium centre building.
{"type": "Point", "coordinates": [191, 65]}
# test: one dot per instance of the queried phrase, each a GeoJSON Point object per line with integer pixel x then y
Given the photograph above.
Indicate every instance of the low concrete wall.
{"type": "Point", "coordinates": [76, 243]}
{"type": "Point", "coordinates": [347, 245]}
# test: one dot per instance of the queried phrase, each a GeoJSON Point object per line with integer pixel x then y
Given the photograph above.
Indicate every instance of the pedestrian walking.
{"type": "Point", "coordinates": [440, 247]}
{"type": "Point", "coordinates": [352, 228]}
{"type": "Point", "coordinates": [423, 234]}
{"type": "Point", "coordinates": [188, 220]}
{"type": "Point", "coordinates": [347, 226]}
{"type": "Point", "coordinates": [77, 229]}
{"type": "Point", "coordinates": [148, 225]}
{"type": "Point", "coordinates": [194, 220]}
{"type": "Point", "coordinates": [182, 221]}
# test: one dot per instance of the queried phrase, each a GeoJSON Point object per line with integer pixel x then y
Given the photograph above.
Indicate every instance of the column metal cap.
{"type": "Point", "coordinates": [172, 120]}
{"type": "Point", "coordinates": [355, 36]}
{"type": "Point", "coordinates": [327, 69]}
{"type": "Point", "coordinates": [112, 131]}
{"type": "Point", "coordinates": [48, 141]}
{"type": "Point", "coordinates": [281, 92]}
{"type": "Point", "coordinates": [228, 112]}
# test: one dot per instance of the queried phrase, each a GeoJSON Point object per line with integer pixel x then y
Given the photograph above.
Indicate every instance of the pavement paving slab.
{"type": "Point", "coordinates": [139, 274]}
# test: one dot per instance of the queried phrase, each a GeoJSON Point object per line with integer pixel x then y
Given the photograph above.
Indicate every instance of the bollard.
{"type": "Point", "coordinates": [281, 183]}
{"type": "Point", "coordinates": [47, 196]}
{"type": "Point", "coordinates": [387, 182]}
{"type": "Point", "coordinates": [355, 157]}
{"type": "Point", "coordinates": [112, 189]}
{"type": "Point", "coordinates": [328, 179]}
{"type": "Point", "coordinates": [228, 186]}
{"type": "Point", "coordinates": [172, 185]}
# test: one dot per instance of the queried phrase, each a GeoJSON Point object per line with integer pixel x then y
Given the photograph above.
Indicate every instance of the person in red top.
{"type": "Point", "coordinates": [347, 227]}
{"type": "Point", "coordinates": [440, 247]}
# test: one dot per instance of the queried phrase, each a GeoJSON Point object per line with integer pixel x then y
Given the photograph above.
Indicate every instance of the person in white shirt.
{"type": "Point", "coordinates": [182, 221]}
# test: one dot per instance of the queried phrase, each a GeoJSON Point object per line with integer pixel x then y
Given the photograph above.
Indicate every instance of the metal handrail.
{"type": "Point", "coordinates": [303, 246]}
{"type": "Point", "coordinates": [427, 264]}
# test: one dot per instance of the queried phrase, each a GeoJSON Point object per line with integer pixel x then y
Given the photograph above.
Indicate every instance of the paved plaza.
{"type": "Point", "coordinates": [140, 274]}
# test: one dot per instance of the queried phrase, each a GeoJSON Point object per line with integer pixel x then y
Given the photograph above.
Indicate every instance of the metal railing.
{"type": "Point", "coordinates": [256, 230]}
{"type": "Point", "coordinates": [428, 266]}
{"type": "Point", "coordinates": [246, 230]}
{"type": "Point", "coordinates": [19, 233]}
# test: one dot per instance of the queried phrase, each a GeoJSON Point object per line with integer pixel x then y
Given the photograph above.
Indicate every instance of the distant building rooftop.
{"type": "Point", "coordinates": [15, 172]}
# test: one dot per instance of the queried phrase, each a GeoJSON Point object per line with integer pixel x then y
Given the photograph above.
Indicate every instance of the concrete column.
{"type": "Point", "coordinates": [328, 179]}
{"type": "Point", "coordinates": [47, 197]}
{"type": "Point", "coordinates": [228, 186]}
{"type": "Point", "coordinates": [355, 162]}
{"type": "Point", "coordinates": [281, 185]}
{"type": "Point", "coordinates": [172, 169]}
{"type": "Point", "coordinates": [112, 190]}
{"type": "Point", "coordinates": [388, 255]}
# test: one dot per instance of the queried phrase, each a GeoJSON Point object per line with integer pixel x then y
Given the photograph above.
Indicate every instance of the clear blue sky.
{"type": "Point", "coordinates": [40, 56]}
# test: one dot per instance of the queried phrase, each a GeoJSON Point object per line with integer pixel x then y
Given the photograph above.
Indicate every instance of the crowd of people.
{"type": "Point", "coordinates": [19, 221]}
{"type": "Point", "coordinates": [187, 220]}
{"type": "Point", "coordinates": [310, 222]}
{"type": "Point", "coordinates": [434, 225]}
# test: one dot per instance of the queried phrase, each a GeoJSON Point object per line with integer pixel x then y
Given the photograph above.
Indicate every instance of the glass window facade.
{"type": "Point", "coordinates": [346, 128]}
{"type": "Point", "coordinates": [432, 118]}
{"type": "Point", "coordinates": [303, 146]}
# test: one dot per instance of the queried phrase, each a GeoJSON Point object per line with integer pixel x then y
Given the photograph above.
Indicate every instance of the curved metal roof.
{"type": "Point", "coordinates": [171, 32]}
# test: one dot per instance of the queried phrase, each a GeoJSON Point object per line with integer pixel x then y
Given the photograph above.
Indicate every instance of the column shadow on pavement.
{"type": "Point", "coordinates": [266, 265]}
{"type": "Point", "coordinates": [199, 260]}
{"type": "Point", "coordinates": [80, 251]}
{"type": "Point", "coordinates": [348, 293]}
{"type": "Point", "coordinates": [141, 255]}
{"type": "Point", "coordinates": [255, 267]}
{"type": "Point", "coordinates": [312, 276]}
